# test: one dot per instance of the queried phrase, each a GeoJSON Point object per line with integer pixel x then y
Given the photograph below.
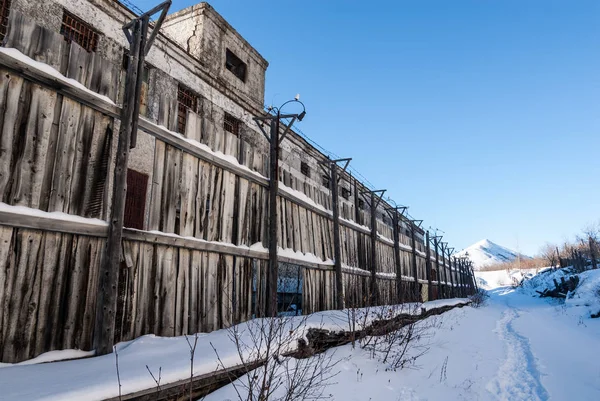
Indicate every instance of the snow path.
{"type": "Point", "coordinates": [518, 378]}
{"type": "Point", "coordinates": [515, 348]}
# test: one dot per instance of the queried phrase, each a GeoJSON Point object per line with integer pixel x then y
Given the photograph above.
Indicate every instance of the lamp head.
{"type": "Point", "coordinates": [301, 115]}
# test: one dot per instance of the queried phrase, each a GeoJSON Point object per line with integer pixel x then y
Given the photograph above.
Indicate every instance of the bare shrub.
{"type": "Point", "coordinates": [261, 346]}
{"type": "Point", "coordinates": [401, 348]}
{"type": "Point", "coordinates": [479, 299]}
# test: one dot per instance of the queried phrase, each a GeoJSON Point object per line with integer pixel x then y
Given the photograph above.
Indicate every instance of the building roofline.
{"type": "Point", "coordinates": [206, 9]}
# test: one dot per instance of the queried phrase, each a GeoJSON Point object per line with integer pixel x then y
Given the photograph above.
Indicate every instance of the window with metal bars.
{"type": "Point", "coordinates": [231, 124]}
{"type": "Point", "coordinates": [4, 11]}
{"type": "Point", "coordinates": [76, 30]}
{"type": "Point", "coordinates": [186, 99]}
{"type": "Point", "coordinates": [234, 64]}
{"type": "Point", "coordinates": [135, 199]}
{"type": "Point", "coordinates": [305, 169]}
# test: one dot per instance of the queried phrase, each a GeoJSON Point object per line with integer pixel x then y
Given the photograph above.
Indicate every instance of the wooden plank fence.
{"type": "Point", "coordinates": [200, 262]}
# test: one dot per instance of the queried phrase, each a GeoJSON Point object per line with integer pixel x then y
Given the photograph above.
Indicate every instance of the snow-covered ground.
{"type": "Point", "coordinates": [503, 278]}
{"type": "Point", "coordinates": [96, 379]}
{"type": "Point", "coordinates": [517, 347]}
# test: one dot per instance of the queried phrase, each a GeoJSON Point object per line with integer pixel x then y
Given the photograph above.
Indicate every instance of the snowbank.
{"type": "Point", "coordinates": [489, 280]}
{"type": "Point", "coordinates": [95, 378]}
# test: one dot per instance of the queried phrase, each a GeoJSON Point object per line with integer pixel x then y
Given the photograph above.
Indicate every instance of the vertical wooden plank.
{"type": "Point", "coordinates": [65, 155]}
{"type": "Point", "coordinates": [11, 87]}
{"type": "Point", "coordinates": [6, 270]}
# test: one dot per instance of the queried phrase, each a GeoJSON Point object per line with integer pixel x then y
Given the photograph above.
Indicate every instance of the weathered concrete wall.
{"type": "Point", "coordinates": [202, 32]}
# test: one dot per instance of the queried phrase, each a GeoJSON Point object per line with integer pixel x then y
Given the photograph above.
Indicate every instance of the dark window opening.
{"type": "Point", "coordinates": [361, 204]}
{"type": "Point", "coordinates": [345, 193]}
{"type": "Point", "coordinates": [135, 200]}
{"type": "Point", "coordinates": [76, 30]}
{"type": "Point", "coordinates": [186, 99]}
{"type": "Point", "coordinates": [4, 11]}
{"type": "Point", "coordinates": [235, 65]}
{"type": "Point", "coordinates": [305, 169]}
{"type": "Point", "coordinates": [325, 181]}
{"type": "Point", "coordinates": [231, 124]}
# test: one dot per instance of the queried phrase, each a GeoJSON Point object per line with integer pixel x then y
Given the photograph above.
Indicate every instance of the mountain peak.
{"type": "Point", "coordinates": [485, 253]}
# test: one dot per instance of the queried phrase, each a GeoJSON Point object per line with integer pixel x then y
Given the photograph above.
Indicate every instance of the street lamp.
{"type": "Point", "coordinates": [274, 139]}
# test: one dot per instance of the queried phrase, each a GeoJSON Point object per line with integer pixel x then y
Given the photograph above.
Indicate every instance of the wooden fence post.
{"type": "Point", "coordinates": [332, 173]}
{"type": "Point", "coordinates": [104, 329]}
{"type": "Point", "coordinates": [428, 268]}
{"type": "Point", "coordinates": [452, 288]}
{"type": "Point", "coordinates": [437, 268]}
{"type": "Point", "coordinates": [414, 261]}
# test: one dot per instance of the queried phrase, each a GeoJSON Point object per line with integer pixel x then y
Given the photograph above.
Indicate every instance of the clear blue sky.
{"type": "Point", "coordinates": [482, 116]}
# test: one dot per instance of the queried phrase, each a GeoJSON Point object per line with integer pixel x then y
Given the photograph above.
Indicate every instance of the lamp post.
{"type": "Point", "coordinates": [274, 138]}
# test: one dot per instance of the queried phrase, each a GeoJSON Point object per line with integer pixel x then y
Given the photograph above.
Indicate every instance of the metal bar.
{"type": "Point", "coordinates": [164, 7]}
{"type": "Point", "coordinates": [287, 128]}
{"type": "Point", "coordinates": [262, 129]}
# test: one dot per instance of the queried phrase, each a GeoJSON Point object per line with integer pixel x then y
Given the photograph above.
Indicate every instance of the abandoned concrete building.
{"type": "Point", "coordinates": [195, 237]}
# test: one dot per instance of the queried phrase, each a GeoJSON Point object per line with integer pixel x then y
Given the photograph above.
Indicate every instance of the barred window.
{"type": "Point", "coordinates": [4, 11]}
{"type": "Point", "coordinates": [235, 65]}
{"type": "Point", "coordinates": [186, 99]}
{"type": "Point", "coordinates": [305, 169]}
{"type": "Point", "coordinates": [231, 124]}
{"type": "Point", "coordinates": [76, 30]}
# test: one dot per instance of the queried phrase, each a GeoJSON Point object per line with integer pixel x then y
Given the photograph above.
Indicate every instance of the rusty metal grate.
{"type": "Point", "coordinates": [186, 99]}
{"type": "Point", "coordinates": [231, 124]}
{"type": "Point", "coordinates": [135, 199]}
{"type": "Point", "coordinates": [4, 11]}
{"type": "Point", "coordinates": [76, 30]}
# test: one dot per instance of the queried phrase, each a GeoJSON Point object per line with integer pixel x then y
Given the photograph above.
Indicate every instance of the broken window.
{"type": "Point", "coordinates": [235, 65]}
{"type": "Point", "coordinates": [231, 124]}
{"type": "Point", "coordinates": [75, 29]}
{"type": "Point", "coordinates": [186, 99]}
{"type": "Point", "coordinates": [4, 11]}
{"type": "Point", "coordinates": [305, 169]}
{"type": "Point", "coordinates": [135, 199]}
{"type": "Point", "coordinates": [325, 181]}
{"type": "Point", "coordinates": [345, 193]}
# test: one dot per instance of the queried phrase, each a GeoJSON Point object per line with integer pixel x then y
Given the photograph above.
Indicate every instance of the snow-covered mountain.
{"type": "Point", "coordinates": [485, 253]}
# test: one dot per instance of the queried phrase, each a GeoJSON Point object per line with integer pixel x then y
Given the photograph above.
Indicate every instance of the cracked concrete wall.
{"type": "Point", "coordinates": [202, 32]}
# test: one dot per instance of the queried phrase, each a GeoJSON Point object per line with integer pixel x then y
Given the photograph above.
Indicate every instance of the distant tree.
{"type": "Point", "coordinates": [548, 252]}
